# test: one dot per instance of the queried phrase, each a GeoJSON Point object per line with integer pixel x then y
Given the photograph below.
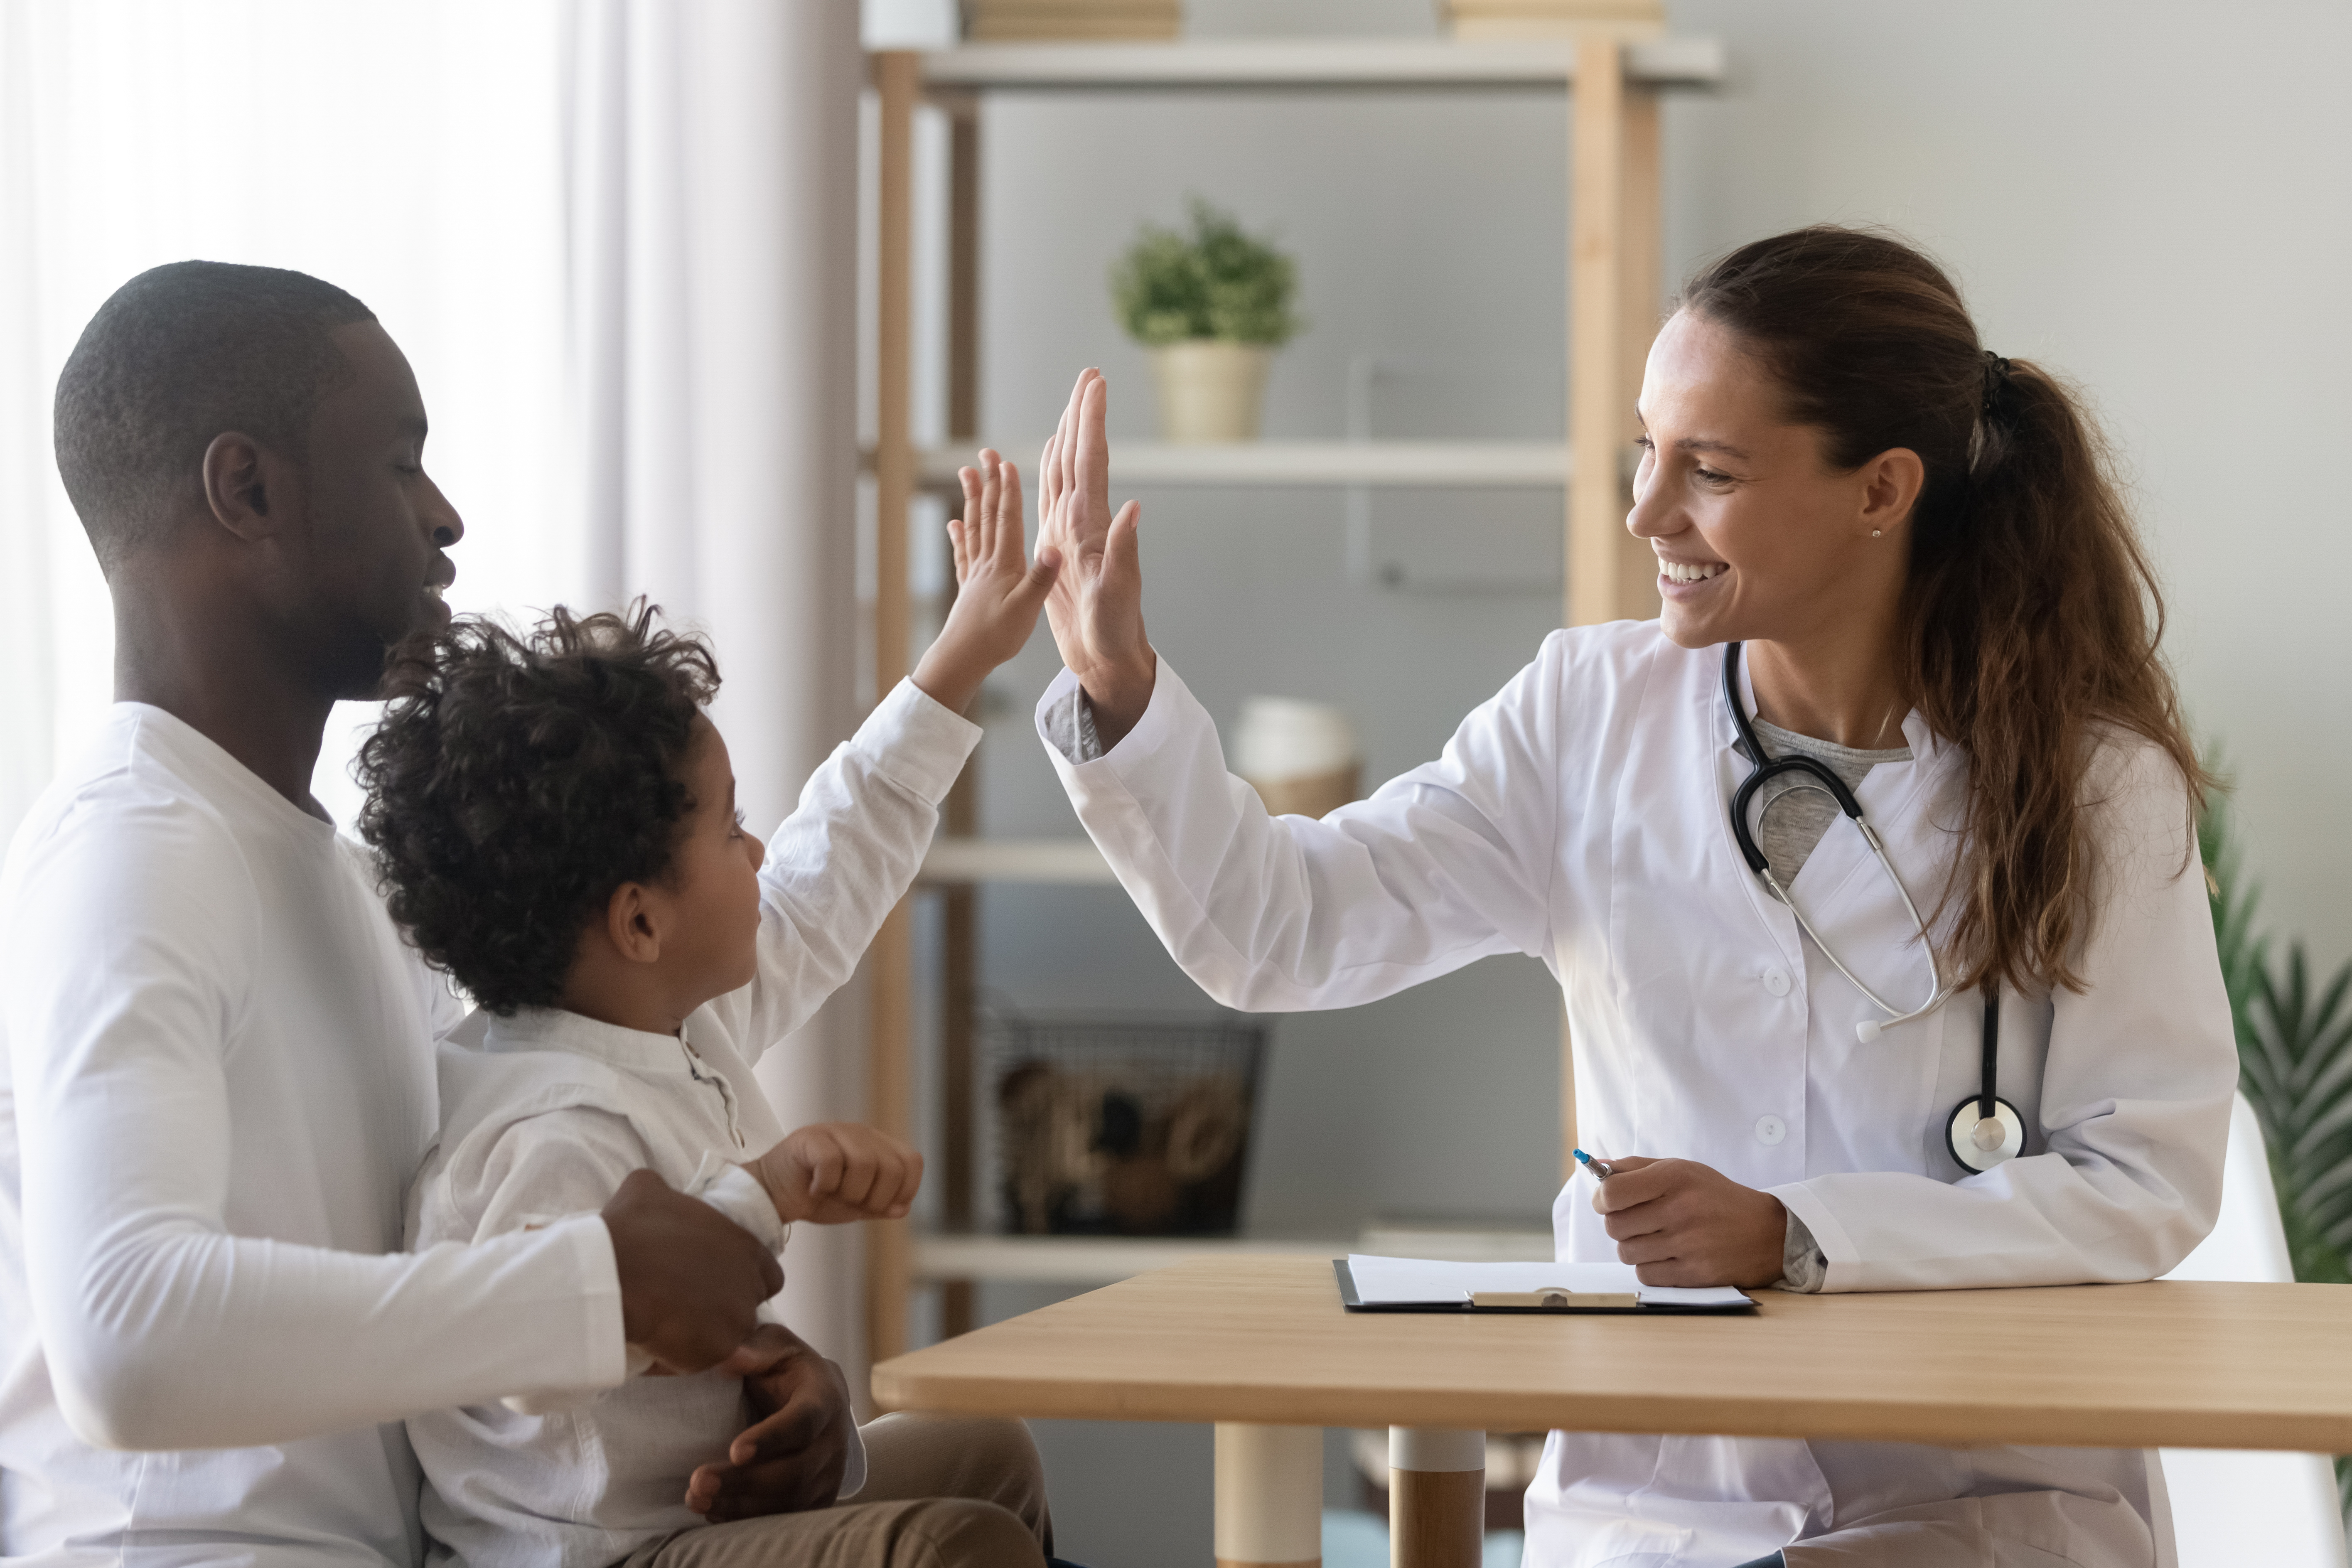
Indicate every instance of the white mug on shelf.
{"type": "Point", "coordinates": [1301, 757]}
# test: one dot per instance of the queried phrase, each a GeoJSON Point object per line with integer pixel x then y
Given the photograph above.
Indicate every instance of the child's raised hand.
{"type": "Point", "coordinates": [831, 1172]}
{"type": "Point", "coordinates": [998, 592]}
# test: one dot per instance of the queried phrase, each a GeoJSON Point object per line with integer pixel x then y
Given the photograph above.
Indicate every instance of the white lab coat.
{"type": "Point", "coordinates": [1579, 815]}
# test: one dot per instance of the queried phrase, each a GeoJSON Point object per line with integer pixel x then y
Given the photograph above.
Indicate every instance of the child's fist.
{"type": "Point", "coordinates": [836, 1172]}
{"type": "Point", "coordinates": [998, 592]}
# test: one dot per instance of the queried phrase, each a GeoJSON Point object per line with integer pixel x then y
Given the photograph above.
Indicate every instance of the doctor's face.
{"type": "Point", "coordinates": [1758, 538]}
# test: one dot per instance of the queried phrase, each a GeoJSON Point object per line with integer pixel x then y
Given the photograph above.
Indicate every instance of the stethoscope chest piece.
{"type": "Point", "coordinates": [1980, 1141]}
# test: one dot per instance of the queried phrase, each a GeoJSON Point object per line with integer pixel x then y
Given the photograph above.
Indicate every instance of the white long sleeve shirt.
{"type": "Point", "coordinates": [1579, 815]}
{"type": "Point", "coordinates": [548, 1115]}
{"type": "Point", "coordinates": [219, 1082]}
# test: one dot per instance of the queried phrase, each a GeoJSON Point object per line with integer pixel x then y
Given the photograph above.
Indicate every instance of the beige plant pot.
{"type": "Point", "coordinates": [1210, 390]}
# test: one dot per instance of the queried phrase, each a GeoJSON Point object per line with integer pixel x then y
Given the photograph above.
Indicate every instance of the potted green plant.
{"type": "Point", "coordinates": [1211, 306]}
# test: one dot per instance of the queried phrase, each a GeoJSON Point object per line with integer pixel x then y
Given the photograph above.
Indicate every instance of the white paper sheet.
{"type": "Point", "coordinates": [1416, 1281]}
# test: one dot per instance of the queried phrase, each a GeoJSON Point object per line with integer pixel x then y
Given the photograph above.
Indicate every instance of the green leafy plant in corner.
{"type": "Point", "coordinates": [1215, 282]}
{"type": "Point", "coordinates": [2294, 1062]}
{"type": "Point", "coordinates": [2294, 1068]}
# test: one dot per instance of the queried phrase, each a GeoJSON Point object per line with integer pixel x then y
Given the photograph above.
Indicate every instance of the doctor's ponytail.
{"type": "Point", "coordinates": [2032, 617]}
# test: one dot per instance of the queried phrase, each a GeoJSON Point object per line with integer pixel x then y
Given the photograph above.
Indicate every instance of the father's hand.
{"type": "Point", "coordinates": [1097, 606]}
{"type": "Point", "coordinates": [792, 1455]}
{"type": "Point", "coordinates": [691, 1278]}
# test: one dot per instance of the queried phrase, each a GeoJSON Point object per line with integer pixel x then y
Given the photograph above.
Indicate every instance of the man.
{"type": "Point", "coordinates": [219, 1073]}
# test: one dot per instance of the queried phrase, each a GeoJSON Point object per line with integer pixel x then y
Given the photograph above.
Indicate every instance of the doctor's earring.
{"type": "Point", "coordinates": [1874, 534]}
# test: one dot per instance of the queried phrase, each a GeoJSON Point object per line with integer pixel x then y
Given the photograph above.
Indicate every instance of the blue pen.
{"type": "Point", "coordinates": [1602, 1170]}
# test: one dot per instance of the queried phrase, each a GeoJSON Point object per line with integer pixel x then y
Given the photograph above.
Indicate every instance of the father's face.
{"type": "Point", "coordinates": [379, 528]}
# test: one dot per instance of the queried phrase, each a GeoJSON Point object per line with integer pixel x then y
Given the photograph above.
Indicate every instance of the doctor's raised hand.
{"type": "Point", "coordinates": [1097, 606]}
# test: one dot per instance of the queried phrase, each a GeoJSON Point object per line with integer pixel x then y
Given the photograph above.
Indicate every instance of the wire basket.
{"type": "Point", "coordinates": [1121, 1126]}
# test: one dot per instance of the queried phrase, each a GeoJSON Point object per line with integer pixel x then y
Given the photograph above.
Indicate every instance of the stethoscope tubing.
{"type": "Point", "coordinates": [1819, 777]}
{"type": "Point", "coordinates": [1815, 775]}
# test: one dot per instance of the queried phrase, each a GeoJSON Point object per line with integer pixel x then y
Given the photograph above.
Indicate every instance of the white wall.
{"type": "Point", "coordinates": [2151, 198]}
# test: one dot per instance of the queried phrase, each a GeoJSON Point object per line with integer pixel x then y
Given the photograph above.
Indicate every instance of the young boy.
{"type": "Point", "coordinates": [556, 827]}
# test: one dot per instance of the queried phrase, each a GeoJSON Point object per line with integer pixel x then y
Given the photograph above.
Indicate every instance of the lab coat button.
{"type": "Point", "coordinates": [1778, 983]}
{"type": "Point", "coordinates": [1770, 1130]}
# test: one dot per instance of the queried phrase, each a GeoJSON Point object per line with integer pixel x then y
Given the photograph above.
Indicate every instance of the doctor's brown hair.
{"type": "Point", "coordinates": [2031, 616]}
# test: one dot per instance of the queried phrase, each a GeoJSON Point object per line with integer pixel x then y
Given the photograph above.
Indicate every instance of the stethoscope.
{"type": "Point", "coordinates": [1984, 1128]}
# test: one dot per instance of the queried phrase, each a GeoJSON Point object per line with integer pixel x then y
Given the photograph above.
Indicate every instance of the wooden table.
{"type": "Point", "coordinates": [1262, 1348]}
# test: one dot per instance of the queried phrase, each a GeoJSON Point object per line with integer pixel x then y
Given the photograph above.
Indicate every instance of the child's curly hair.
{"type": "Point", "coordinates": [516, 782]}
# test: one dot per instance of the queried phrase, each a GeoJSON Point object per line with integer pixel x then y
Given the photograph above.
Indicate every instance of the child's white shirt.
{"type": "Point", "coordinates": [550, 1111]}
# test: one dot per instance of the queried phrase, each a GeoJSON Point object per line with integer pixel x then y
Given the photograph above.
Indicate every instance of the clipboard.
{"type": "Point", "coordinates": [1541, 1303]}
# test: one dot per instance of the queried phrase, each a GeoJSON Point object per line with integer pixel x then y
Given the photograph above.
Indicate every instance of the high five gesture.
{"type": "Point", "coordinates": [1096, 607]}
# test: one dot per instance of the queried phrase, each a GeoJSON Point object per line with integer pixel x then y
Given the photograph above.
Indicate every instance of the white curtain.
{"type": "Point", "coordinates": [409, 152]}
{"type": "Point", "coordinates": [616, 239]}
{"type": "Point", "coordinates": [27, 637]}
{"type": "Point", "coordinates": [711, 175]}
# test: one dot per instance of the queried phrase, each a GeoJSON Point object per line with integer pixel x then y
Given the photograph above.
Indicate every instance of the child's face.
{"type": "Point", "coordinates": [713, 883]}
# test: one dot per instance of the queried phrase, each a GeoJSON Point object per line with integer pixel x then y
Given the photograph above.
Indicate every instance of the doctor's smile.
{"type": "Point", "coordinates": [1687, 574]}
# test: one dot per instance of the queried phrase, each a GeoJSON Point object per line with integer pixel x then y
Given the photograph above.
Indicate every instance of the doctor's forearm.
{"type": "Point", "coordinates": [1117, 695]}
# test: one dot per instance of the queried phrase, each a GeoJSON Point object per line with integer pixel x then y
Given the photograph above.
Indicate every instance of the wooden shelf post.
{"type": "Point", "coordinates": [1596, 214]}
{"type": "Point", "coordinates": [889, 1272]}
{"type": "Point", "coordinates": [1642, 267]}
{"type": "Point", "coordinates": [1615, 258]}
{"type": "Point", "coordinates": [959, 913]}
{"type": "Point", "coordinates": [1595, 321]}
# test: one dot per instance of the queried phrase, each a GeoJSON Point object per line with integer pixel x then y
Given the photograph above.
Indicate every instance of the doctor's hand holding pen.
{"type": "Point", "coordinates": [1682, 1222]}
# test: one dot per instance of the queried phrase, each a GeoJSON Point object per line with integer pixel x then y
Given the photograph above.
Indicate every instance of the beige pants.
{"type": "Point", "coordinates": [941, 1491]}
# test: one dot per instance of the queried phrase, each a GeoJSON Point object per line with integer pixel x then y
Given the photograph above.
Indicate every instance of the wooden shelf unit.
{"type": "Point", "coordinates": [1614, 259]}
{"type": "Point", "coordinates": [1386, 464]}
{"type": "Point", "coordinates": [1105, 1259]}
{"type": "Point", "coordinates": [959, 860]}
{"type": "Point", "coordinates": [1291, 64]}
{"type": "Point", "coordinates": [1089, 1260]}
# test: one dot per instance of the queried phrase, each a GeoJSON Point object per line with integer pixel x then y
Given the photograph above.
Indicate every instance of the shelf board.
{"type": "Point", "coordinates": [1066, 860]}
{"type": "Point", "coordinates": [1106, 1260]}
{"type": "Point", "coordinates": [1090, 1259]}
{"type": "Point", "coordinates": [1313, 63]}
{"type": "Point", "coordinates": [1453, 464]}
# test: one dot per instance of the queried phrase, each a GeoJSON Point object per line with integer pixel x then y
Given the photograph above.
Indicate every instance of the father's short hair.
{"type": "Point", "coordinates": [178, 355]}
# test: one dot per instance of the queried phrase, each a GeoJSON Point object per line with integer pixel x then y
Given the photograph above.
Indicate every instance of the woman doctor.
{"type": "Point", "coordinates": [1940, 598]}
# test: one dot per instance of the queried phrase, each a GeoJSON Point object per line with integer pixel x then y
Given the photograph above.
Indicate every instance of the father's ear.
{"type": "Point", "coordinates": [247, 489]}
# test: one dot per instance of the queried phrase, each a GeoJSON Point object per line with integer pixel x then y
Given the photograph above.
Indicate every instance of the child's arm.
{"type": "Point", "coordinates": [838, 866]}
{"type": "Point", "coordinates": [836, 1172]}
